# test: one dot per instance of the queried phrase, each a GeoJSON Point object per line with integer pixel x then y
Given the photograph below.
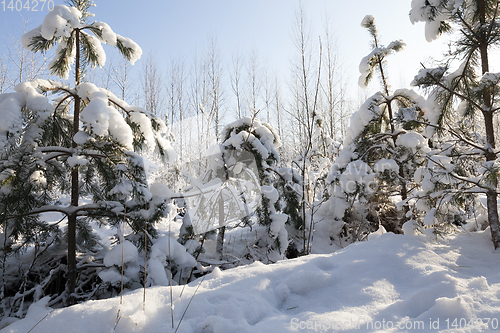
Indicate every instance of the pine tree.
{"type": "Point", "coordinates": [378, 159]}
{"type": "Point", "coordinates": [262, 141]}
{"type": "Point", "coordinates": [463, 103]}
{"type": "Point", "coordinates": [49, 153]}
{"type": "Point", "coordinates": [242, 168]}
{"type": "Point", "coordinates": [379, 139]}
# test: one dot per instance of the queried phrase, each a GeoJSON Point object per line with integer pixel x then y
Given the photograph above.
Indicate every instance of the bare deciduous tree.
{"type": "Point", "coordinates": [3, 77]}
{"type": "Point", "coordinates": [267, 95]}
{"type": "Point", "coordinates": [121, 76]}
{"type": "Point", "coordinates": [333, 88]}
{"type": "Point", "coordinates": [254, 82]}
{"type": "Point", "coordinates": [152, 86]}
{"type": "Point", "coordinates": [176, 101]}
{"type": "Point", "coordinates": [24, 64]}
{"type": "Point", "coordinates": [235, 76]}
{"type": "Point", "coordinates": [215, 71]}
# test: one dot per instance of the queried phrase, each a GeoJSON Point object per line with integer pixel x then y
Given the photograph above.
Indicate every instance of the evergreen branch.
{"type": "Point", "coordinates": [61, 87]}
{"type": "Point", "coordinates": [370, 149]}
{"type": "Point", "coordinates": [119, 106]}
{"type": "Point", "coordinates": [60, 103]}
{"type": "Point", "coordinates": [458, 155]}
{"type": "Point", "coordinates": [44, 283]}
{"type": "Point", "coordinates": [452, 132]}
{"type": "Point", "coordinates": [93, 265]}
{"type": "Point", "coordinates": [55, 155]}
{"type": "Point", "coordinates": [40, 44]}
{"type": "Point", "coordinates": [55, 149]}
{"type": "Point", "coordinates": [95, 30]}
{"type": "Point", "coordinates": [126, 51]}
{"type": "Point", "coordinates": [382, 136]}
{"type": "Point", "coordinates": [37, 255]}
{"type": "Point", "coordinates": [284, 180]}
{"type": "Point", "coordinates": [90, 56]}
{"type": "Point", "coordinates": [61, 63]}
{"type": "Point", "coordinates": [464, 179]}
{"type": "Point", "coordinates": [453, 92]}
{"type": "Point", "coordinates": [493, 22]}
{"type": "Point", "coordinates": [64, 210]}
{"type": "Point", "coordinates": [467, 25]}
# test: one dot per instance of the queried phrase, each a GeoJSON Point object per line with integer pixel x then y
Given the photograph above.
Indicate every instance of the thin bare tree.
{"type": "Point", "coordinates": [254, 82]}
{"type": "Point", "coordinates": [176, 101]}
{"type": "Point", "coordinates": [152, 87]}
{"type": "Point", "coordinates": [331, 85]}
{"type": "Point", "coordinates": [306, 91]}
{"type": "Point", "coordinates": [215, 90]}
{"type": "Point", "coordinates": [24, 65]}
{"type": "Point", "coordinates": [197, 100]}
{"type": "Point", "coordinates": [268, 94]}
{"type": "Point", "coordinates": [121, 77]}
{"type": "Point", "coordinates": [3, 77]}
{"type": "Point", "coordinates": [235, 76]}
{"type": "Point", "coordinates": [278, 106]}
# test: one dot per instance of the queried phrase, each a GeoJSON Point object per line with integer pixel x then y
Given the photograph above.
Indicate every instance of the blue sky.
{"type": "Point", "coordinates": [178, 28]}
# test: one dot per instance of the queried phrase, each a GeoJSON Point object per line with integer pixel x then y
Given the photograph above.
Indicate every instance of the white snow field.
{"type": "Point", "coordinates": [392, 283]}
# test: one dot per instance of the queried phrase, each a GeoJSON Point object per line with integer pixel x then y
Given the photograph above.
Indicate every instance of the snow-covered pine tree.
{"type": "Point", "coordinates": [243, 166]}
{"type": "Point", "coordinates": [379, 157]}
{"type": "Point", "coordinates": [49, 154]}
{"type": "Point", "coordinates": [462, 103]}
{"type": "Point", "coordinates": [378, 143]}
{"type": "Point", "coordinates": [248, 134]}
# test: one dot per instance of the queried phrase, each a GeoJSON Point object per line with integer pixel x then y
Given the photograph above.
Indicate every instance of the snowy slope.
{"type": "Point", "coordinates": [391, 281]}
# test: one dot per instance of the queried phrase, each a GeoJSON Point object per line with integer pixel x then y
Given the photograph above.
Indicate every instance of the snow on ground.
{"type": "Point", "coordinates": [393, 283]}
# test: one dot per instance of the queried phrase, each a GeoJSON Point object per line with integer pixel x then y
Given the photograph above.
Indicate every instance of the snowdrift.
{"type": "Point", "coordinates": [393, 283]}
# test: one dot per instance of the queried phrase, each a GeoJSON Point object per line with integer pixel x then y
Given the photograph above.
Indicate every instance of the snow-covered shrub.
{"type": "Point", "coordinates": [303, 186]}
{"type": "Point", "coordinates": [122, 254]}
{"type": "Point", "coordinates": [169, 262]}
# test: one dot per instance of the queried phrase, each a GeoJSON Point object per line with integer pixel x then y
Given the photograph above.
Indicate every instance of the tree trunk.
{"type": "Point", "coordinates": [74, 186]}
{"type": "Point", "coordinates": [402, 183]}
{"type": "Point", "coordinates": [222, 228]}
{"type": "Point", "coordinates": [491, 195]}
